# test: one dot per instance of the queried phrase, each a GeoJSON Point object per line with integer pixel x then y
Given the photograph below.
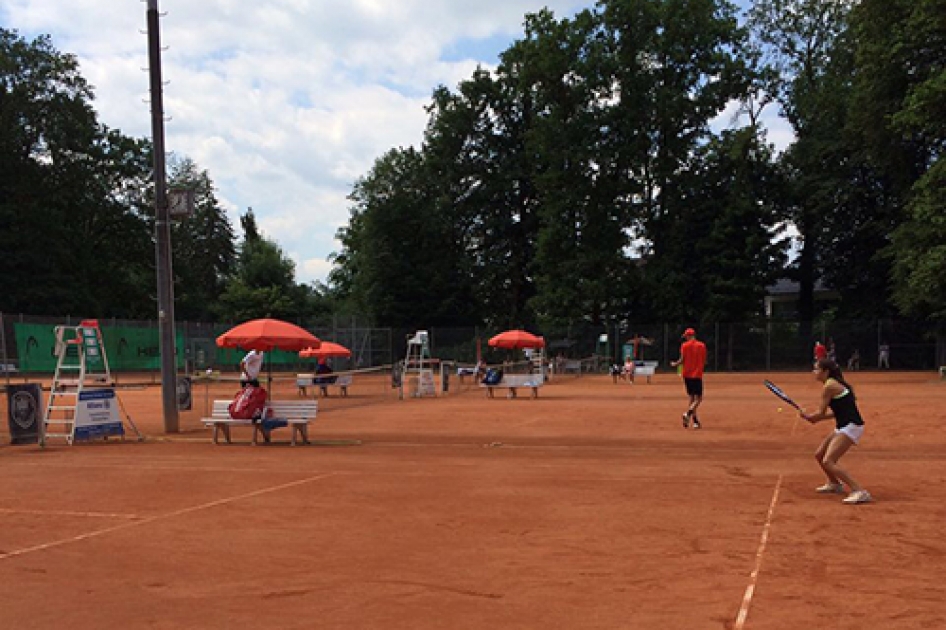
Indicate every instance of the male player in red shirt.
{"type": "Point", "coordinates": [693, 358]}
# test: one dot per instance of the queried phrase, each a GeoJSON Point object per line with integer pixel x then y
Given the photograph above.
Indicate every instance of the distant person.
{"type": "Point", "coordinates": [322, 378]}
{"type": "Point", "coordinates": [832, 351]}
{"type": "Point", "coordinates": [883, 355]}
{"type": "Point", "coordinates": [821, 351]}
{"type": "Point", "coordinates": [628, 372]}
{"type": "Point", "coordinates": [693, 360]}
{"type": "Point", "coordinates": [480, 370]}
{"type": "Point", "coordinates": [838, 402]}
{"type": "Point", "coordinates": [616, 372]}
{"type": "Point", "coordinates": [854, 361]}
{"type": "Point", "coordinates": [250, 368]}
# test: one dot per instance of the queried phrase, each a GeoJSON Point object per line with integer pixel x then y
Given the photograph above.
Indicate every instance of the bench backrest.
{"type": "Point", "coordinates": [298, 409]}
{"type": "Point", "coordinates": [343, 381]}
{"type": "Point", "coordinates": [521, 380]}
{"type": "Point", "coordinates": [221, 409]}
{"type": "Point", "coordinates": [280, 409]}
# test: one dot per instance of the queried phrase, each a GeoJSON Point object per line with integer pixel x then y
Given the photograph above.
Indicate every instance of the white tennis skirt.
{"type": "Point", "coordinates": [853, 431]}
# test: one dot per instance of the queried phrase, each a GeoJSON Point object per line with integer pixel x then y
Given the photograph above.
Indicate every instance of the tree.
{"type": "Point", "coordinates": [801, 43]}
{"type": "Point", "coordinates": [917, 129]}
{"type": "Point", "coordinates": [203, 246]}
{"type": "Point", "coordinates": [409, 267]}
{"type": "Point", "coordinates": [72, 228]}
{"type": "Point", "coordinates": [676, 67]}
{"type": "Point", "coordinates": [262, 284]}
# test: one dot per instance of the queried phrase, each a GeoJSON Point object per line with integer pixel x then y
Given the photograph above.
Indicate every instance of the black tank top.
{"type": "Point", "coordinates": [845, 409]}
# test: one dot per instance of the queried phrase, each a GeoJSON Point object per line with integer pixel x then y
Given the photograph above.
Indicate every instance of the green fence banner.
{"type": "Point", "coordinates": [127, 349]}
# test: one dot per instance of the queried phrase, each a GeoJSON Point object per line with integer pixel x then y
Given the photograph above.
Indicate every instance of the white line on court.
{"type": "Point", "coordinates": [754, 576]}
{"type": "Point", "coordinates": [151, 519]}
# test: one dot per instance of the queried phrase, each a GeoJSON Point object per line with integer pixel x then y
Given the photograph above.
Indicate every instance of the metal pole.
{"type": "Point", "coordinates": [162, 229]}
{"type": "Point", "coordinates": [3, 342]}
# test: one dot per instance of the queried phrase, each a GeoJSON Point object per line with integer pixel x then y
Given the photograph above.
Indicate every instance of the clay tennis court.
{"type": "Point", "coordinates": [590, 507]}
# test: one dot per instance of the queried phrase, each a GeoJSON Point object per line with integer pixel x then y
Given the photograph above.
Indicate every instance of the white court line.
{"type": "Point", "coordinates": [151, 519]}
{"type": "Point", "coordinates": [66, 513]}
{"type": "Point", "coordinates": [754, 576]}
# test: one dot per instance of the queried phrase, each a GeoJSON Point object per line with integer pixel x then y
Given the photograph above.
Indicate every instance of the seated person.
{"type": "Point", "coordinates": [629, 368]}
{"type": "Point", "coordinates": [320, 379]}
{"type": "Point", "coordinates": [616, 372]}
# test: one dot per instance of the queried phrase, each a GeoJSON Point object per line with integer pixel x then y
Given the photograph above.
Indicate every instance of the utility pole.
{"type": "Point", "coordinates": [162, 229]}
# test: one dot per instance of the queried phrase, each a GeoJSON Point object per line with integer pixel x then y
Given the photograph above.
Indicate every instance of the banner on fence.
{"type": "Point", "coordinates": [127, 348]}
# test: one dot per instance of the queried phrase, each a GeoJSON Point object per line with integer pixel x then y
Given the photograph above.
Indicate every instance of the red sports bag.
{"type": "Point", "coordinates": [248, 403]}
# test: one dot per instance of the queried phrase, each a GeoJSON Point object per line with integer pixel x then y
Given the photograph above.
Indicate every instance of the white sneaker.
{"type": "Point", "coordinates": [830, 488]}
{"type": "Point", "coordinates": [861, 496]}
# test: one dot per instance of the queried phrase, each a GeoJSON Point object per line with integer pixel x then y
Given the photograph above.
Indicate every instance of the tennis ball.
{"type": "Point", "coordinates": [780, 410]}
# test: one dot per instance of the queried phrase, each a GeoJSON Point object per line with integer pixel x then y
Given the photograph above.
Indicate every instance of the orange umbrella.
{"type": "Point", "coordinates": [267, 335]}
{"type": "Point", "coordinates": [325, 350]}
{"type": "Point", "coordinates": [516, 339]}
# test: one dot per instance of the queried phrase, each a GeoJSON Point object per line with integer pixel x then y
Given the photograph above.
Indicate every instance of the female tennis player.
{"type": "Point", "coordinates": [838, 402]}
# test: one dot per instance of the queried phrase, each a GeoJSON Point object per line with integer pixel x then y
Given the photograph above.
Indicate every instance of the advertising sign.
{"type": "Point", "coordinates": [97, 415]}
{"type": "Point", "coordinates": [25, 413]}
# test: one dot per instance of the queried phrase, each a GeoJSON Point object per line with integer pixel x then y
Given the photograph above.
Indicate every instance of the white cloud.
{"type": "Point", "coordinates": [285, 103]}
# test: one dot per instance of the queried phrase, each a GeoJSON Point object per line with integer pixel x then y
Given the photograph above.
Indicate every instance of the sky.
{"type": "Point", "coordinates": [286, 103]}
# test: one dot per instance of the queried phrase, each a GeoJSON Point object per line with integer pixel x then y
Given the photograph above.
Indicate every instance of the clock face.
{"type": "Point", "coordinates": [181, 202]}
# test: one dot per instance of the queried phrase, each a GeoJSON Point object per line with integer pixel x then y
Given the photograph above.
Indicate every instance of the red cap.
{"type": "Point", "coordinates": [689, 332]}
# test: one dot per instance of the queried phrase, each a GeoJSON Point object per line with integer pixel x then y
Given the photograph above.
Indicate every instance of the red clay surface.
{"type": "Point", "coordinates": [590, 507]}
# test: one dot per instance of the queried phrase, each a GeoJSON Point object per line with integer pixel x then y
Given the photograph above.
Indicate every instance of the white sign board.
{"type": "Point", "coordinates": [425, 384]}
{"type": "Point", "coordinates": [97, 415]}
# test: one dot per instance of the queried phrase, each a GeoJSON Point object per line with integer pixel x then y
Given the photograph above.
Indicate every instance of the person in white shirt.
{"type": "Point", "coordinates": [250, 368]}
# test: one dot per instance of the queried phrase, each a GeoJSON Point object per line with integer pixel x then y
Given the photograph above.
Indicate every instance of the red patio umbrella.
{"type": "Point", "coordinates": [267, 335]}
{"type": "Point", "coordinates": [516, 339]}
{"type": "Point", "coordinates": [325, 350]}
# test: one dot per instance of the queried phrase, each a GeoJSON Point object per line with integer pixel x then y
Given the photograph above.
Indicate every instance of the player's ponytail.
{"type": "Point", "coordinates": [834, 371]}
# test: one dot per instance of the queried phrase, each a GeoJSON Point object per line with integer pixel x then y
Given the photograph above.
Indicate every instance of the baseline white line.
{"type": "Point", "coordinates": [151, 519]}
{"type": "Point", "coordinates": [754, 576]}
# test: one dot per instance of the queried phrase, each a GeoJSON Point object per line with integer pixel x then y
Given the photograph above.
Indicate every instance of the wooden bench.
{"type": "Point", "coordinates": [295, 414]}
{"type": "Point", "coordinates": [342, 382]}
{"type": "Point", "coordinates": [512, 382]}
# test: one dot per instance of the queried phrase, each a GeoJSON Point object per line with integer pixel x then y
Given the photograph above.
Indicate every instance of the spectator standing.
{"type": "Point", "coordinates": [821, 351]}
{"type": "Point", "coordinates": [629, 367]}
{"type": "Point", "coordinates": [250, 368]}
{"type": "Point", "coordinates": [854, 362]}
{"type": "Point", "coordinates": [883, 355]}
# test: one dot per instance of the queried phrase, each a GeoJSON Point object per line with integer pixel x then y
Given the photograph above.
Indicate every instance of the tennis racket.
{"type": "Point", "coordinates": [778, 392]}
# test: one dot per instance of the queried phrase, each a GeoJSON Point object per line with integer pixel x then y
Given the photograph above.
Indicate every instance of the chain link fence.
{"type": "Point", "coordinates": [27, 344]}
